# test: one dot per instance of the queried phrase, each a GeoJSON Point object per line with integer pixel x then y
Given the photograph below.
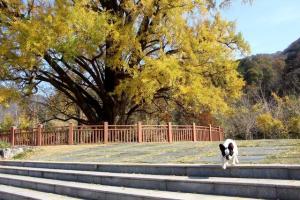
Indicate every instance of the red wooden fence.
{"type": "Point", "coordinates": [90, 134]}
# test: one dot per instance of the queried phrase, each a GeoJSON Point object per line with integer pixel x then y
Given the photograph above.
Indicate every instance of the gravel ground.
{"type": "Point", "coordinates": [257, 151]}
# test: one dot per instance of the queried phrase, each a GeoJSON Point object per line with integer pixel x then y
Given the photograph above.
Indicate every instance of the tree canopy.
{"type": "Point", "coordinates": [113, 58]}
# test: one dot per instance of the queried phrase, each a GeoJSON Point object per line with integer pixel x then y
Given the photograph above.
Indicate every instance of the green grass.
{"type": "Point", "coordinates": [24, 155]}
{"type": "Point", "coordinates": [292, 156]}
{"type": "Point", "coordinates": [4, 145]}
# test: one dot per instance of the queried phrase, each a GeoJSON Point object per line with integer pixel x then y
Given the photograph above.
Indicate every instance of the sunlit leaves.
{"type": "Point", "coordinates": [156, 50]}
{"type": "Point", "coordinates": [269, 125]}
{"type": "Point", "coordinates": [70, 30]}
{"type": "Point", "coordinates": [7, 96]}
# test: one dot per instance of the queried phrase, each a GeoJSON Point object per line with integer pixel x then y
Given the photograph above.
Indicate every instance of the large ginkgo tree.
{"type": "Point", "coordinates": [113, 58]}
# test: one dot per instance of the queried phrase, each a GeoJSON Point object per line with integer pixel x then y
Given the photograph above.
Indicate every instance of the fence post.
{"type": "Point", "coordinates": [220, 135]}
{"type": "Point", "coordinates": [71, 134]}
{"type": "Point", "coordinates": [194, 132]}
{"type": "Point", "coordinates": [139, 132]}
{"type": "Point", "coordinates": [170, 134]}
{"type": "Point", "coordinates": [12, 135]}
{"type": "Point", "coordinates": [105, 132]}
{"type": "Point", "coordinates": [223, 134]}
{"type": "Point", "coordinates": [210, 136]}
{"type": "Point", "coordinates": [39, 135]}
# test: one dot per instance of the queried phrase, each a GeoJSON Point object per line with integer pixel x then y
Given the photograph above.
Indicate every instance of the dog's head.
{"type": "Point", "coordinates": [227, 152]}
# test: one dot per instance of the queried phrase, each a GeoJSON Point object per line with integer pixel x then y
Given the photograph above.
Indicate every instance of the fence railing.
{"type": "Point", "coordinates": [105, 133]}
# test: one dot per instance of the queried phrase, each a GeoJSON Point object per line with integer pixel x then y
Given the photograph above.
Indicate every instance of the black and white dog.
{"type": "Point", "coordinates": [229, 152]}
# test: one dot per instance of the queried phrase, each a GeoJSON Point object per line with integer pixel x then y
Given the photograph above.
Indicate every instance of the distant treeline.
{"type": "Point", "coordinates": [270, 107]}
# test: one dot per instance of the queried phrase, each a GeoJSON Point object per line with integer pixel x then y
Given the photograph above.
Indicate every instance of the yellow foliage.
{"type": "Point", "coordinates": [294, 125]}
{"type": "Point", "coordinates": [71, 30]}
{"type": "Point", "coordinates": [202, 75]}
{"type": "Point", "coordinates": [22, 122]}
{"type": "Point", "coordinates": [269, 125]}
{"type": "Point", "coordinates": [179, 49]}
{"type": "Point", "coordinates": [7, 95]}
{"type": "Point", "coordinates": [8, 121]}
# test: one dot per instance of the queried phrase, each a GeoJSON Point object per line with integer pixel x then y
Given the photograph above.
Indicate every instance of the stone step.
{"type": "Point", "coordinates": [15, 193]}
{"type": "Point", "coordinates": [94, 191]}
{"type": "Point", "coordinates": [244, 187]}
{"type": "Point", "coordinates": [290, 172]}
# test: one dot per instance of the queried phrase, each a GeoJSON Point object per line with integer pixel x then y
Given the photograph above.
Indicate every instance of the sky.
{"type": "Point", "coordinates": [267, 25]}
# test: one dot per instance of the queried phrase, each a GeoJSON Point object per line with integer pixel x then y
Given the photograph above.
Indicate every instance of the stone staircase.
{"type": "Point", "coordinates": [52, 180]}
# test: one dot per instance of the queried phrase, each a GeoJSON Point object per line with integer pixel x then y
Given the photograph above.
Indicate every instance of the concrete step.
{"type": "Point", "coordinates": [244, 187]}
{"type": "Point", "coordinates": [94, 191]}
{"type": "Point", "coordinates": [290, 172]}
{"type": "Point", "coordinates": [15, 193]}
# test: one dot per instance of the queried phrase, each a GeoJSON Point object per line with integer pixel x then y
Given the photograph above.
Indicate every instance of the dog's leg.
{"type": "Point", "coordinates": [224, 166]}
{"type": "Point", "coordinates": [222, 161]}
{"type": "Point", "coordinates": [233, 160]}
{"type": "Point", "coordinates": [236, 159]}
{"type": "Point", "coordinates": [225, 163]}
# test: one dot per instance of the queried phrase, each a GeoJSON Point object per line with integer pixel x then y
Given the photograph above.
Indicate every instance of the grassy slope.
{"type": "Point", "coordinates": [258, 151]}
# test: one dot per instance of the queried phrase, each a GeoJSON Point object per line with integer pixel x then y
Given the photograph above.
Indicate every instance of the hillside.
{"type": "Point", "coordinates": [278, 72]}
{"type": "Point", "coordinates": [291, 75]}
{"type": "Point", "coordinates": [293, 48]}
